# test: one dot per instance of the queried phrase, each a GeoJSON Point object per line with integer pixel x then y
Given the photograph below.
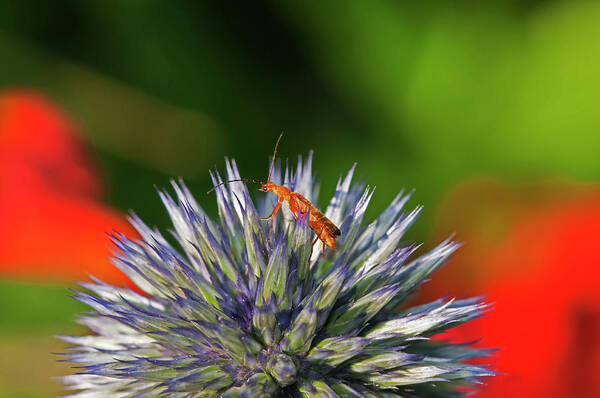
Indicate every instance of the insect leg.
{"type": "Point", "coordinates": [275, 210]}
{"type": "Point", "coordinates": [323, 249]}
{"type": "Point", "coordinates": [315, 241]}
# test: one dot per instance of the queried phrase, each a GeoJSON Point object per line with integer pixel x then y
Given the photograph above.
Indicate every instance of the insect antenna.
{"type": "Point", "coordinates": [273, 160]}
{"type": "Point", "coordinates": [228, 181]}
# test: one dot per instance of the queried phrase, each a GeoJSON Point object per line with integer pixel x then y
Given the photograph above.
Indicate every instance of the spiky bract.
{"type": "Point", "coordinates": [234, 313]}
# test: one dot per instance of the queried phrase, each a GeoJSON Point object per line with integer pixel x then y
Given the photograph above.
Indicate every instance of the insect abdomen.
{"type": "Point", "coordinates": [325, 236]}
{"type": "Point", "coordinates": [326, 231]}
{"type": "Point", "coordinates": [324, 228]}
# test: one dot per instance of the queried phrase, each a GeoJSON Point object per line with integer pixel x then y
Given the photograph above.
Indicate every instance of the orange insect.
{"type": "Point", "coordinates": [326, 230]}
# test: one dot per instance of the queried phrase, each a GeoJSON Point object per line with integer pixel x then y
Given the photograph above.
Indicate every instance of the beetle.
{"type": "Point", "coordinates": [323, 227]}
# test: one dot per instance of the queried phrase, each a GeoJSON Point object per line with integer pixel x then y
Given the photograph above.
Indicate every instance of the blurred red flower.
{"type": "Point", "coordinates": [53, 223]}
{"type": "Point", "coordinates": [543, 277]}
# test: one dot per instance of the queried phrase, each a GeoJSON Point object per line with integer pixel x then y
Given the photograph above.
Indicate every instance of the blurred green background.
{"type": "Point", "coordinates": [422, 95]}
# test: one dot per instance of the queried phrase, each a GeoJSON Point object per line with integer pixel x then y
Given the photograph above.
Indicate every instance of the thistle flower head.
{"type": "Point", "coordinates": [231, 312]}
